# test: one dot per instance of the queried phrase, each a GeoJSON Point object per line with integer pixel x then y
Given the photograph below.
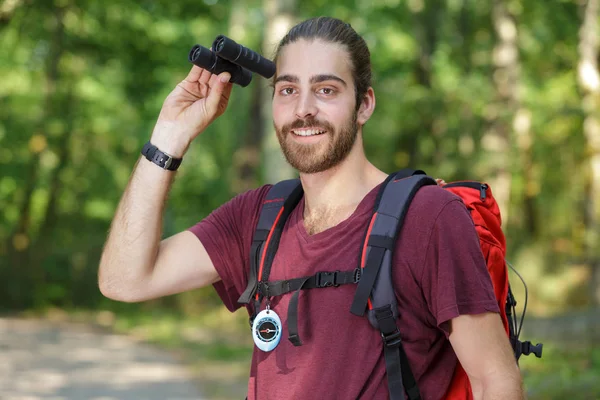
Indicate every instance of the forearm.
{"type": "Point", "coordinates": [135, 233]}
{"type": "Point", "coordinates": [507, 387]}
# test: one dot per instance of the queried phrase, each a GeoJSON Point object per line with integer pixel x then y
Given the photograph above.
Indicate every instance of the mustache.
{"type": "Point", "coordinates": [306, 123]}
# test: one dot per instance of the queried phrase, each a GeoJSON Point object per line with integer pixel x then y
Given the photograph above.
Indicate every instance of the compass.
{"type": "Point", "coordinates": [266, 330]}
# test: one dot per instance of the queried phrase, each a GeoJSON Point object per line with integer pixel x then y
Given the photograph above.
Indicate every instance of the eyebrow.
{"type": "Point", "coordinates": [313, 80]}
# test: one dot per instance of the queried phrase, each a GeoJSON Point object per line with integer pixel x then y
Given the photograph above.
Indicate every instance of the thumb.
{"type": "Point", "coordinates": [216, 91]}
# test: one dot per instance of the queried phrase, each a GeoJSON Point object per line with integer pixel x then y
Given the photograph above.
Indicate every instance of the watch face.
{"type": "Point", "coordinates": [267, 329]}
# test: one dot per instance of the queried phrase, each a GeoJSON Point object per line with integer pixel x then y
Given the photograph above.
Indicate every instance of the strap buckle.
{"type": "Point", "coordinates": [326, 279]}
{"type": "Point", "coordinates": [168, 161]}
{"type": "Point", "coordinates": [393, 339]}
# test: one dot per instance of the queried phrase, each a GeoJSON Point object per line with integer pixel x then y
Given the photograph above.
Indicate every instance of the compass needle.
{"type": "Point", "coordinates": [266, 330]}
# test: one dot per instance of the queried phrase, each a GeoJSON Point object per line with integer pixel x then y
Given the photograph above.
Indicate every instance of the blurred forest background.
{"type": "Point", "coordinates": [505, 91]}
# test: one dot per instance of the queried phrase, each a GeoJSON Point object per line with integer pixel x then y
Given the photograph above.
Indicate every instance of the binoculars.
{"type": "Point", "coordinates": [228, 56]}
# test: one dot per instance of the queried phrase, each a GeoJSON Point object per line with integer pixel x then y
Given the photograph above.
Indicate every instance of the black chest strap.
{"type": "Point", "coordinates": [281, 199]}
{"type": "Point", "coordinates": [321, 279]}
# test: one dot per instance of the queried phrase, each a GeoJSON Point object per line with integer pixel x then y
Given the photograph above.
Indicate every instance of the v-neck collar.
{"type": "Point", "coordinates": [365, 206]}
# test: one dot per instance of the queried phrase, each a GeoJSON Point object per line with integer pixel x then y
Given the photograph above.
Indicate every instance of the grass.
{"type": "Point", "coordinates": [564, 372]}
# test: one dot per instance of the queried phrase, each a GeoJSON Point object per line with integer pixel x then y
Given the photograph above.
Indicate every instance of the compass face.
{"type": "Point", "coordinates": [267, 329]}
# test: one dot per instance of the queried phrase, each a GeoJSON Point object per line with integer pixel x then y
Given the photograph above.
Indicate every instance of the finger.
{"type": "Point", "coordinates": [194, 74]}
{"type": "Point", "coordinates": [217, 88]}
{"type": "Point", "coordinates": [214, 78]}
{"type": "Point", "coordinates": [205, 77]}
{"type": "Point", "coordinates": [227, 91]}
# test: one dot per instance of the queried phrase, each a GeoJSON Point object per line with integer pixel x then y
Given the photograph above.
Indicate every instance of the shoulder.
{"type": "Point", "coordinates": [249, 198]}
{"type": "Point", "coordinates": [435, 208]}
{"type": "Point", "coordinates": [432, 200]}
{"type": "Point", "coordinates": [240, 210]}
{"type": "Point", "coordinates": [253, 196]}
{"type": "Point", "coordinates": [431, 207]}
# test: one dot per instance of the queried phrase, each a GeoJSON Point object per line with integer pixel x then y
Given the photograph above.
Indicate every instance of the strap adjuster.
{"type": "Point", "coordinates": [393, 339]}
{"type": "Point", "coordinates": [326, 279]}
{"type": "Point", "coordinates": [263, 288]}
{"type": "Point", "coordinates": [295, 339]}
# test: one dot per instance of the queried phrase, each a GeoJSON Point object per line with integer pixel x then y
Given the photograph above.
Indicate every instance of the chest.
{"type": "Point", "coordinates": [333, 248]}
{"type": "Point", "coordinates": [325, 219]}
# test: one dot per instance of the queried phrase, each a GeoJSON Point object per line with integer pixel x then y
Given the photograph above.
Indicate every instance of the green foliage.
{"type": "Point", "coordinates": [84, 80]}
{"type": "Point", "coordinates": [565, 373]}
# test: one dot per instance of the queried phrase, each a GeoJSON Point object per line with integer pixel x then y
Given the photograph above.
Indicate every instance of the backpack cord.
{"type": "Point", "coordinates": [518, 332]}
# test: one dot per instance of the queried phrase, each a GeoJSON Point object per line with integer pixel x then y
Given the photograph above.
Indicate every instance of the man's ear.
{"type": "Point", "coordinates": [366, 108]}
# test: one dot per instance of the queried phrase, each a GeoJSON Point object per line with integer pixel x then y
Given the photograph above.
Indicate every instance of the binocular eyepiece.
{"type": "Point", "coordinates": [229, 56]}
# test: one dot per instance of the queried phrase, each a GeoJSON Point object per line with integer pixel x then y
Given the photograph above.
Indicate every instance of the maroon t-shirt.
{"type": "Point", "coordinates": [438, 266]}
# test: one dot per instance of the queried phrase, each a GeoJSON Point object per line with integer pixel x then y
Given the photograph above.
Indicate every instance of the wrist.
{"type": "Point", "coordinates": [160, 158]}
{"type": "Point", "coordinates": [170, 142]}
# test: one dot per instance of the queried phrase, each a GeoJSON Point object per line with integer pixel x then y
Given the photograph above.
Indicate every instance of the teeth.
{"type": "Point", "coordinates": [308, 132]}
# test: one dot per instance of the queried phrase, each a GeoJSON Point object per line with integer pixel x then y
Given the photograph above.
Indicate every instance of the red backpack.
{"type": "Point", "coordinates": [485, 213]}
{"type": "Point", "coordinates": [375, 294]}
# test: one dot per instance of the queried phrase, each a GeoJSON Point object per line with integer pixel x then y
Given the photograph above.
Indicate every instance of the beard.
{"type": "Point", "coordinates": [318, 157]}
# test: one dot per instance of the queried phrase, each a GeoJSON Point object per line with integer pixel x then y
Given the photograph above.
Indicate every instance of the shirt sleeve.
{"type": "Point", "coordinates": [455, 279]}
{"type": "Point", "coordinates": [226, 234]}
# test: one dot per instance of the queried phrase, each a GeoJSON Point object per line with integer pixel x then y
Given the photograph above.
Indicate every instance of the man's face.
{"type": "Point", "coordinates": [314, 111]}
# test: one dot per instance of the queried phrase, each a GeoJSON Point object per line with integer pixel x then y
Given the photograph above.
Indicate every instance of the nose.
{"type": "Point", "coordinates": [306, 106]}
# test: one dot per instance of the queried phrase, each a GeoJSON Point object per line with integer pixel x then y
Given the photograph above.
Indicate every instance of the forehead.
{"type": "Point", "coordinates": [305, 58]}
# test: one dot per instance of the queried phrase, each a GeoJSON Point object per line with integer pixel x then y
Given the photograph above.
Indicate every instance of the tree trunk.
{"type": "Point", "coordinates": [279, 18]}
{"type": "Point", "coordinates": [589, 82]}
{"type": "Point", "coordinates": [465, 27]}
{"type": "Point", "coordinates": [7, 10]}
{"type": "Point", "coordinates": [426, 18]}
{"type": "Point", "coordinates": [44, 242]}
{"type": "Point", "coordinates": [524, 141]}
{"type": "Point", "coordinates": [247, 158]}
{"type": "Point", "coordinates": [19, 249]}
{"type": "Point", "coordinates": [497, 140]}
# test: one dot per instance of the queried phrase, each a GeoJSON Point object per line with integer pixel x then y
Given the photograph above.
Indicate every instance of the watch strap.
{"type": "Point", "coordinates": [160, 158]}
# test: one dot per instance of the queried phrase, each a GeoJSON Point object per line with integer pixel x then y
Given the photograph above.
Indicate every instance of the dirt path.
{"type": "Point", "coordinates": [58, 361]}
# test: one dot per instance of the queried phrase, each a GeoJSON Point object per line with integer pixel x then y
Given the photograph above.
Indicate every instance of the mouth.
{"type": "Point", "coordinates": [308, 131]}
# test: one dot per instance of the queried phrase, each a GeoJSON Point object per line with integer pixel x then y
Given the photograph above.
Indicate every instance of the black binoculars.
{"type": "Point", "coordinates": [228, 56]}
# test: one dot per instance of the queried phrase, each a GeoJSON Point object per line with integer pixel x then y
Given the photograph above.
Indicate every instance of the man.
{"type": "Point", "coordinates": [322, 98]}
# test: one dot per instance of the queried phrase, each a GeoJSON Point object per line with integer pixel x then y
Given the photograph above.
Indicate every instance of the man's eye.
{"type": "Point", "coordinates": [287, 91]}
{"type": "Point", "coordinates": [327, 91]}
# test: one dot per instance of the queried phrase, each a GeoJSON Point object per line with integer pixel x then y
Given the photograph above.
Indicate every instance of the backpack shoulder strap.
{"type": "Point", "coordinates": [375, 290]}
{"type": "Point", "coordinates": [375, 286]}
{"type": "Point", "coordinates": [277, 206]}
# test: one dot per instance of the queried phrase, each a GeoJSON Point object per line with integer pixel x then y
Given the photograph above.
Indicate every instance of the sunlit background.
{"type": "Point", "coordinates": [505, 91]}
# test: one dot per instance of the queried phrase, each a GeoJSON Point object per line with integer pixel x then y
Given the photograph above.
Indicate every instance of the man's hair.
{"type": "Point", "coordinates": [336, 31]}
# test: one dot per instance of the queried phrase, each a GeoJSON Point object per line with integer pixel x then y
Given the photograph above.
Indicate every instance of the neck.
{"type": "Point", "coordinates": [342, 187]}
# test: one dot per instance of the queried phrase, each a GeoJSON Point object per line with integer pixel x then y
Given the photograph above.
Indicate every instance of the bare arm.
{"type": "Point", "coordinates": [484, 351]}
{"type": "Point", "coordinates": [135, 264]}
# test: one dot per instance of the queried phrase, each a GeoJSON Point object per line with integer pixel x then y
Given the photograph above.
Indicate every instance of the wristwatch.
{"type": "Point", "coordinates": [160, 158]}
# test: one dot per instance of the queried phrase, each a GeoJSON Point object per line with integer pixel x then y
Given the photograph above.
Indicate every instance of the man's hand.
{"type": "Point", "coordinates": [192, 105]}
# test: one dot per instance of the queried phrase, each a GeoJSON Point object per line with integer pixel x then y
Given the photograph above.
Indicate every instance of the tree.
{"type": "Point", "coordinates": [498, 140]}
{"type": "Point", "coordinates": [279, 17]}
{"type": "Point", "coordinates": [589, 82]}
